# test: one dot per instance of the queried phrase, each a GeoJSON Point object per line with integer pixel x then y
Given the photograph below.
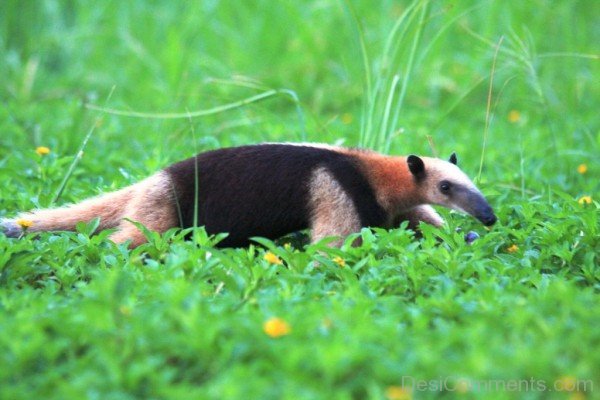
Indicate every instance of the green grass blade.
{"type": "Point", "coordinates": [407, 73]}
{"type": "Point", "coordinates": [78, 155]}
{"type": "Point", "coordinates": [192, 114]}
{"type": "Point", "coordinates": [367, 121]}
{"type": "Point", "coordinates": [488, 109]}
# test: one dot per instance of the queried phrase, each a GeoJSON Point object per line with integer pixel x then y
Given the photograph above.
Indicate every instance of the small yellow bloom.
{"type": "Point", "coordinates": [566, 383]}
{"type": "Point", "coordinates": [287, 246]}
{"type": "Point", "coordinates": [512, 248]}
{"type": "Point", "coordinates": [125, 310]}
{"type": "Point", "coordinates": [462, 386]}
{"type": "Point", "coordinates": [582, 169]}
{"type": "Point", "coordinates": [327, 323]}
{"type": "Point", "coordinates": [347, 118]}
{"type": "Point", "coordinates": [339, 261]}
{"type": "Point", "coordinates": [272, 258]}
{"type": "Point", "coordinates": [585, 200]}
{"type": "Point", "coordinates": [24, 223]}
{"type": "Point", "coordinates": [276, 327]}
{"type": "Point", "coordinates": [398, 393]}
{"type": "Point", "coordinates": [42, 150]}
{"type": "Point", "coordinates": [514, 116]}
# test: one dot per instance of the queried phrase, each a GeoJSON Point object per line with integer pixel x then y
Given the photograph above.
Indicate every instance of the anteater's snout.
{"type": "Point", "coordinates": [489, 220]}
{"type": "Point", "coordinates": [478, 207]}
{"type": "Point", "coordinates": [485, 214]}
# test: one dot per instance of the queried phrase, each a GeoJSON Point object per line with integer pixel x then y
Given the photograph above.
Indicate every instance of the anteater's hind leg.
{"type": "Point", "coordinates": [332, 210]}
{"type": "Point", "coordinates": [423, 213]}
{"type": "Point", "coordinates": [153, 205]}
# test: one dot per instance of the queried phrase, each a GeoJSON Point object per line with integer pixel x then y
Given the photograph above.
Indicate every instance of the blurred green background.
{"type": "Point", "coordinates": [81, 317]}
{"type": "Point", "coordinates": [185, 56]}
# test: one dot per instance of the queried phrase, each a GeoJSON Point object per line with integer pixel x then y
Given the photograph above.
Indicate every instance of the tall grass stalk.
{"type": "Point", "coordinates": [214, 110]}
{"type": "Point", "coordinates": [390, 53]}
{"type": "Point", "coordinates": [407, 74]}
{"type": "Point", "coordinates": [523, 55]}
{"type": "Point", "coordinates": [387, 110]}
{"type": "Point", "coordinates": [522, 164]}
{"type": "Point", "coordinates": [385, 89]}
{"type": "Point", "coordinates": [367, 106]}
{"type": "Point", "coordinates": [527, 53]}
{"type": "Point", "coordinates": [488, 108]}
{"type": "Point", "coordinates": [256, 85]}
{"type": "Point", "coordinates": [196, 174]}
{"type": "Point", "coordinates": [79, 154]}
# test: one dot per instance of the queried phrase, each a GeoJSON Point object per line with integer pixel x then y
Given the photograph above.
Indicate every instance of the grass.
{"type": "Point", "coordinates": [81, 317]}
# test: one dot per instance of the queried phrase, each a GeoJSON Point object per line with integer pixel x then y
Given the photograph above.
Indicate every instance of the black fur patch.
{"type": "Point", "coordinates": [453, 159]}
{"type": "Point", "coordinates": [416, 167]}
{"type": "Point", "coordinates": [263, 190]}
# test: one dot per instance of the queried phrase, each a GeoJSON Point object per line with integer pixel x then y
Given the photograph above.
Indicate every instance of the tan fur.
{"type": "Point", "coordinates": [152, 205]}
{"type": "Point", "coordinates": [149, 202]}
{"type": "Point", "coordinates": [333, 212]}
{"type": "Point", "coordinates": [107, 207]}
{"type": "Point", "coordinates": [312, 144]}
{"type": "Point", "coordinates": [424, 213]}
{"type": "Point", "coordinates": [438, 170]}
{"type": "Point", "coordinates": [402, 195]}
{"type": "Point", "coordinates": [393, 183]}
{"type": "Point", "coordinates": [399, 194]}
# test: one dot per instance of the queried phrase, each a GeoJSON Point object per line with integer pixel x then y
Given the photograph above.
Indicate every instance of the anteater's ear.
{"type": "Point", "coordinates": [453, 159]}
{"type": "Point", "coordinates": [416, 166]}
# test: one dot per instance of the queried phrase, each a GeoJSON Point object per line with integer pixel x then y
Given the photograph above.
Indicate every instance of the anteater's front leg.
{"type": "Point", "coordinates": [423, 213]}
{"type": "Point", "coordinates": [332, 211]}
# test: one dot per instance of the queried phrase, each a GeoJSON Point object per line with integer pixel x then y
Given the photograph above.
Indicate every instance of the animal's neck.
{"type": "Point", "coordinates": [394, 185]}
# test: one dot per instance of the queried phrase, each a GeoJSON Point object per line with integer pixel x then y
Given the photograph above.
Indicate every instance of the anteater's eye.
{"type": "Point", "coordinates": [445, 187]}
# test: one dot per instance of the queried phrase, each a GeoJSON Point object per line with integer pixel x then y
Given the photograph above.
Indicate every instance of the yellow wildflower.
{"type": "Point", "coordinates": [514, 116]}
{"type": "Point", "coordinates": [462, 385]}
{"type": "Point", "coordinates": [582, 169]}
{"type": "Point", "coordinates": [398, 393]}
{"type": "Point", "coordinates": [272, 258]}
{"type": "Point", "coordinates": [125, 310]}
{"type": "Point", "coordinates": [347, 118]}
{"type": "Point", "coordinates": [42, 150]}
{"type": "Point", "coordinates": [276, 327]}
{"type": "Point", "coordinates": [24, 223]}
{"type": "Point", "coordinates": [513, 248]}
{"type": "Point", "coordinates": [566, 383]}
{"type": "Point", "coordinates": [585, 200]}
{"type": "Point", "coordinates": [339, 261]}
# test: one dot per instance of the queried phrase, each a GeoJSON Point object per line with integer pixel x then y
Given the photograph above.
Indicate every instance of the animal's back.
{"type": "Point", "coordinates": [259, 190]}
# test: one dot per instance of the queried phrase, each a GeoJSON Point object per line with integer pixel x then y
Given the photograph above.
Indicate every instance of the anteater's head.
{"type": "Point", "coordinates": [443, 183]}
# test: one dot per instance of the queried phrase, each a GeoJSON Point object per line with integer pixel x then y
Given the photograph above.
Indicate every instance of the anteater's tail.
{"type": "Point", "coordinates": [109, 207]}
{"type": "Point", "coordinates": [150, 202]}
